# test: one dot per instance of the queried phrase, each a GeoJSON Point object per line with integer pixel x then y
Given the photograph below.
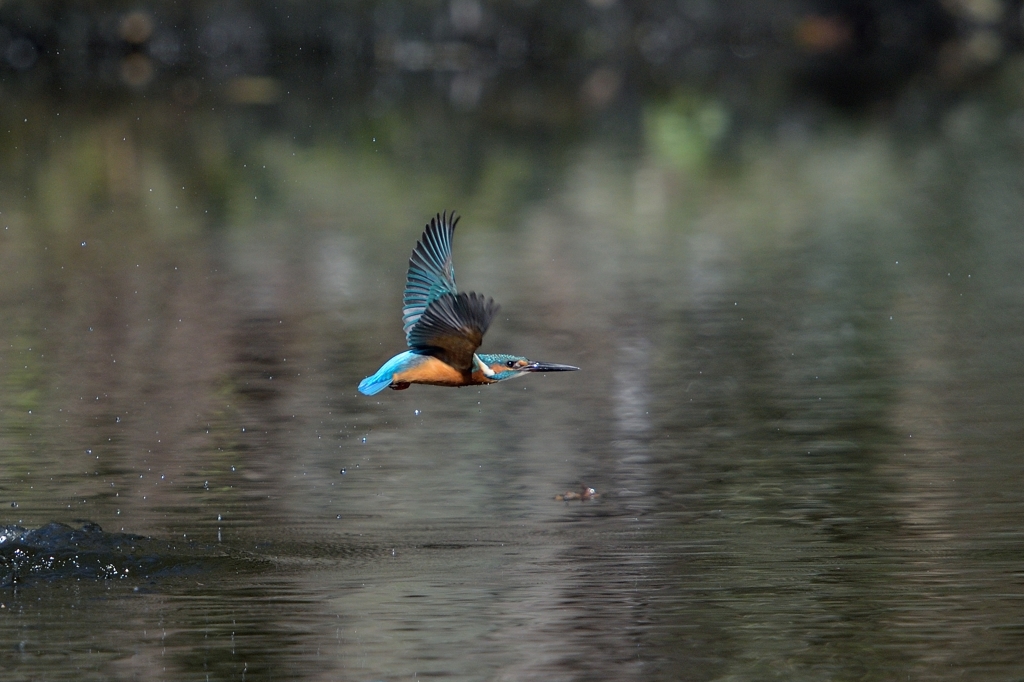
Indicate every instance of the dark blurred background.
{"type": "Point", "coordinates": [513, 63]}
{"type": "Point", "coordinates": [434, 86]}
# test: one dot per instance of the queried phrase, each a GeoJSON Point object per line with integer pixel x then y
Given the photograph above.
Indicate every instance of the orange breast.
{"type": "Point", "coordinates": [432, 371]}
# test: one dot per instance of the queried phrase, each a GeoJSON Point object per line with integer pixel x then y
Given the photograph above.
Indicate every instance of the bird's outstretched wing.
{"type": "Point", "coordinates": [431, 272]}
{"type": "Point", "coordinates": [453, 326]}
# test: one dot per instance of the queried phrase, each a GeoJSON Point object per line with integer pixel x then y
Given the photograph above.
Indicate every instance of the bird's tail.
{"type": "Point", "coordinates": [386, 374]}
{"type": "Point", "coordinates": [375, 384]}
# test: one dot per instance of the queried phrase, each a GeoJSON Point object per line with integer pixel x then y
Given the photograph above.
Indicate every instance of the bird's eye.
{"type": "Point", "coordinates": [510, 363]}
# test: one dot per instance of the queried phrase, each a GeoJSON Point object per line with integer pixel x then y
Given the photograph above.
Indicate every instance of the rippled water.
{"type": "Point", "coordinates": [799, 403]}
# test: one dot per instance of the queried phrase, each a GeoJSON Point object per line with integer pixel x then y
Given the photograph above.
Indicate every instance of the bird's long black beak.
{"type": "Point", "coordinates": [548, 367]}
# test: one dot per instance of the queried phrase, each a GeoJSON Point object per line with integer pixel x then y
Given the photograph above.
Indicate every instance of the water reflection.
{"type": "Point", "coordinates": [799, 399]}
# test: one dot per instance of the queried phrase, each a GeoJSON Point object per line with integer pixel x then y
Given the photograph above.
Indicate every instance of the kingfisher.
{"type": "Point", "coordinates": [444, 327]}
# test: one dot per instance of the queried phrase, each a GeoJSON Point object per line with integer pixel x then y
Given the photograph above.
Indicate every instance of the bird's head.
{"type": "Point", "coordinates": [498, 367]}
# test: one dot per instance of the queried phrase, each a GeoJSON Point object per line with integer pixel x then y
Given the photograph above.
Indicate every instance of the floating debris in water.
{"type": "Point", "coordinates": [584, 494]}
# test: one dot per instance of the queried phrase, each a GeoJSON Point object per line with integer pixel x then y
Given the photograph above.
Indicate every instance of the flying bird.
{"type": "Point", "coordinates": [444, 327]}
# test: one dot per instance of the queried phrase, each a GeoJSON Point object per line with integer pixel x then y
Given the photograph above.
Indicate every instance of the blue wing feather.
{"type": "Point", "coordinates": [431, 271]}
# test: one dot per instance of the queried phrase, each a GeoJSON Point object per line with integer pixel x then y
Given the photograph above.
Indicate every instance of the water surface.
{"type": "Point", "coordinates": [799, 401]}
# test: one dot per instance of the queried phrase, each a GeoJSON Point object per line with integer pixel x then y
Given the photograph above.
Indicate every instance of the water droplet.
{"type": "Point", "coordinates": [219, 517]}
{"type": "Point", "coordinates": [416, 412]}
{"type": "Point", "coordinates": [364, 439]}
{"type": "Point", "coordinates": [343, 472]}
{"type": "Point", "coordinates": [14, 505]}
{"type": "Point", "coordinates": [83, 243]}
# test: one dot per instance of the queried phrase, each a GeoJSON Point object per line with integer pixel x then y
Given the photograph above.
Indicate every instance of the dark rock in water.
{"type": "Point", "coordinates": [58, 536]}
{"type": "Point", "coordinates": [59, 552]}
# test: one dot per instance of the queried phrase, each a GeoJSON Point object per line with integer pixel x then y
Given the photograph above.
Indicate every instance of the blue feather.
{"type": "Point", "coordinates": [431, 272]}
{"type": "Point", "coordinates": [382, 379]}
{"type": "Point", "coordinates": [491, 359]}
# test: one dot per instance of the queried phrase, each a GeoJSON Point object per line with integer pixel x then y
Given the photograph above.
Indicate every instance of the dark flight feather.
{"type": "Point", "coordinates": [453, 326]}
{"type": "Point", "coordinates": [431, 272]}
